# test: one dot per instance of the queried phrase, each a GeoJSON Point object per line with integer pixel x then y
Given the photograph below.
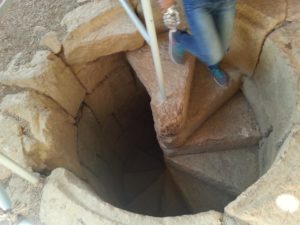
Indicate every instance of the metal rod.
{"type": "Point", "coordinates": [17, 169]}
{"type": "Point", "coordinates": [134, 18]}
{"type": "Point", "coordinates": [147, 9]}
{"type": "Point", "coordinates": [5, 202]}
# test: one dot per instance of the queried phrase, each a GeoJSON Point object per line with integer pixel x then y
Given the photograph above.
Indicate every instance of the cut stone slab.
{"type": "Point", "coordinates": [92, 73]}
{"type": "Point", "coordinates": [205, 99]}
{"type": "Point", "coordinates": [11, 135]}
{"type": "Point", "coordinates": [172, 202]}
{"type": "Point", "coordinates": [98, 29]}
{"type": "Point", "coordinates": [111, 94]}
{"type": "Point", "coordinates": [293, 13]}
{"type": "Point", "coordinates": [199, 195]}
{"type": "Point", "coordinates": [26, 195]}
{"type": "Point", "coordinates": [149, 202]}
{"type": "Point", "coordinates": [232, 127]}
{"type": "Point", "coordinates": [169, 115]}
{"type": "Point", "coordinates": [232, 171]}
{"type": "Point", "coordinates": [255, 19]}
{"type": "Point", "coordinates": [257, 205]}
{"type": "Point", "coordinates": [50, 40]}
{"type": "Point", "coordinates": [136, 183]}
{"type": "Point", "coordinates": [69, 198]}
{"type": "Point", "coordinates": [52, 128]}
{"type": "Point", "coordinates": [47, 74]}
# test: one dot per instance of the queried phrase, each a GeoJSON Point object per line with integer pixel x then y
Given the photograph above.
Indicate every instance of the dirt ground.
{"type": "Point", "coordinates": [22, 23]}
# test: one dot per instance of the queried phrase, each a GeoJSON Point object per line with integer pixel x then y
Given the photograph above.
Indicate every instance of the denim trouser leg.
{"type": "Point", "coordinates": [211, 24]}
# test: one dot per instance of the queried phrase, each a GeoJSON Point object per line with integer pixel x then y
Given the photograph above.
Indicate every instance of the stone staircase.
{"type": "Point", "coordinates": [148, 187]}
{"type": "Point", "coordinates": [211, 151]}
{"type": "Point", "coordinates": [213, 166]}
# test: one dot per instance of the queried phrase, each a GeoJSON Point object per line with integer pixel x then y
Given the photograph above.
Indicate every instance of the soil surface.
{"type": "Point", "coordinates": [22, 23]}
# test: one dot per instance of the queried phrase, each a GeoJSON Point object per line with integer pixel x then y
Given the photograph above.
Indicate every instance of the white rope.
{"type": "Point", "coordinates": [12, 217]}
{"type": "Point", "coordinates": [171, 18]}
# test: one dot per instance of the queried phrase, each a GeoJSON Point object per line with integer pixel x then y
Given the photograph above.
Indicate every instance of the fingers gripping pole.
{"type": "Point", "coordinates": [17, 169]}
{"type": "Point", "coordinates": [147, 9]}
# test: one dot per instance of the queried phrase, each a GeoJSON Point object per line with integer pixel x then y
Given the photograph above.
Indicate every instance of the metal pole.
{"type": "Point", "coordinates": [5, 202]}
{"type": "Point", "coordinates": [139, 25]}
{"type": "Point", "coordinates": [17, 169]}
{"type": "Point", "coordinates": [147, 9]}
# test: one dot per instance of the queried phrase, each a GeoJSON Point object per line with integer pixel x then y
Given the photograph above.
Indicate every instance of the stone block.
{"type": "Point", "coordinates": [98, 29]}
{"type": "Point", "coordinates": [169, 115]}
{"type": "Point", "coordinates": [50, 40]}
{"type": "Point", "coordinates": [232, 171]}
{"type": "Point", "coordinates": [259, 204]}
{"type": "Point", "coordinates": [92, 73]}
{"type": "Point", "coordinates": [11, 144]}
{"type": "Point", "coordinates": [292, 10]}
{"type": "Point", "coordinates": [206, 98]}
{"type": "Point", "coordinates": [199, 195]}
{"type": "Point", "coordinates": [52, 129]}
{"type": "Point", "coordinates": [47, 74]}
{"type": "Point", "coordinates": [232, 127]}
{"type": "Point", "coordinates": [273, 91]}
{"type": "Point", "coordinates": [112, 93]}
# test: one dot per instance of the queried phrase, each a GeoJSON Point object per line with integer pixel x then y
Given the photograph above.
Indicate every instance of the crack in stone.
{"type": "Point", "coordinates": [279, 25]}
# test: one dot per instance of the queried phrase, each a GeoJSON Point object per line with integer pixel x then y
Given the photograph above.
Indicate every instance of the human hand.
{"type": "Point", "coordinates": [165, 4]}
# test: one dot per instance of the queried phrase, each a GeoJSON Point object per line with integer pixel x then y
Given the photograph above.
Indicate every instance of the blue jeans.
{"type": "Point", "coordinates": [211, 24]}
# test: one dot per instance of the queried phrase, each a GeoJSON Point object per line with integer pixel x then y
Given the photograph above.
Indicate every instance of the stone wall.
{"type": "Point", "coordinates": [274, 91]}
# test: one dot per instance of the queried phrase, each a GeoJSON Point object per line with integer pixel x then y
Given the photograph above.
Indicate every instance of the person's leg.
{"type": "Point", "coordinates": [204, 42]}
{"type": "Point", "coordinates": [224, 19]}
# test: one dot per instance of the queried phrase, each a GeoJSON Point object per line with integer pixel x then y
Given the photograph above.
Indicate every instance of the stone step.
{"type": "Point", "coordinates": [199, 195]}
{"type": "Point", "coordinates": [137, 182]}
{"type": "Point", "coordinates": [232, 127]}
{"type": "Point", "coordinates": [172, 202]}
{"type": "Point", "coordinates": [169, 115]}
{"type": "Point", "coordinates": [231, 171]}
{"type": "Point", "coordinates": [148, 202]}
{"type": "Point", "coordinates": [206, 98]}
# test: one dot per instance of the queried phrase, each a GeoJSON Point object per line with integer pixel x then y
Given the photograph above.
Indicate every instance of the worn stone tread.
{"type": "Point", "coordinates": [232, 127]}
{"type": "Point", "coordinates": [232, 171]}
{"type": "Point", "coordinates": [169, 115]}
{"type": "Point", "coordinates": [205, 99]}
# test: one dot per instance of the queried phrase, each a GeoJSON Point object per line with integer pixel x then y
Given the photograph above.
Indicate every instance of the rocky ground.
{"type": "Point", "coordinates": [23, 24]}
